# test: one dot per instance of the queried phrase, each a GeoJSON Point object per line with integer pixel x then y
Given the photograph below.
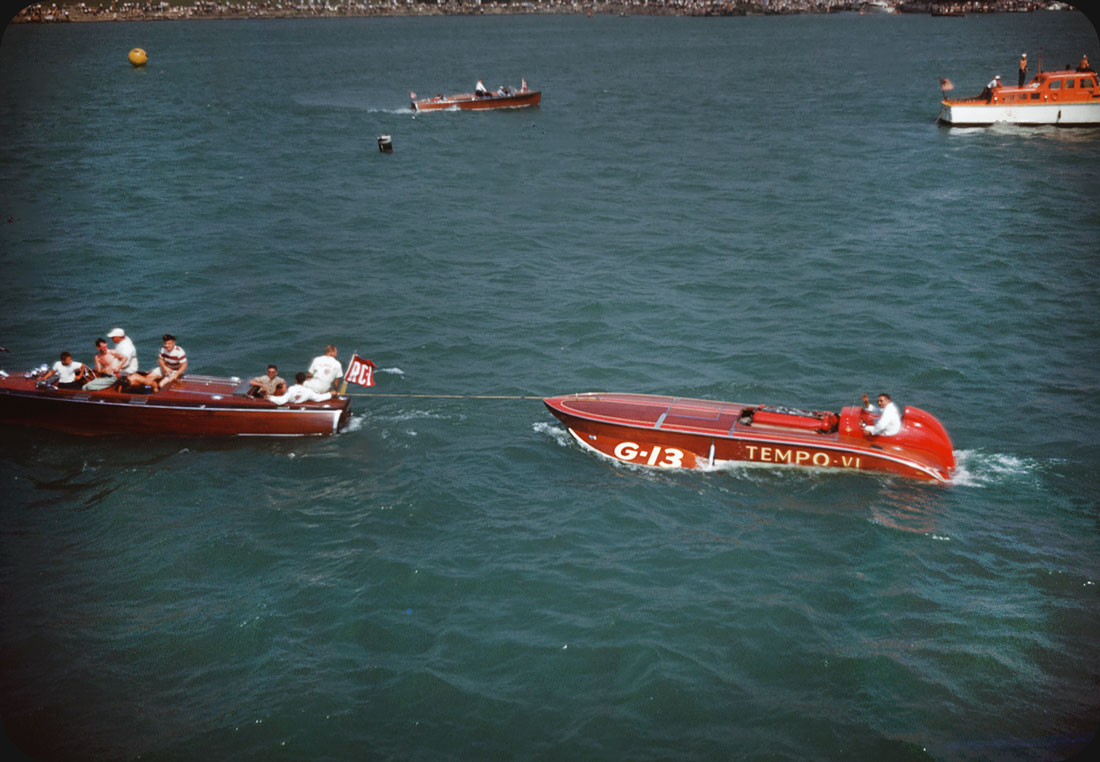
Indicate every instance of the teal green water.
{"type": "Point", "coordinates": [753, 209]}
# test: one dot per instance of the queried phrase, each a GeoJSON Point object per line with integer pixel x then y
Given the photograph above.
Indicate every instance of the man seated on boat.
{"type": "Point", "coordinates": [107, 360]}
{"type": "Point", "coordinates": [889, 419]}
{"type": "Point", "coordinates": [171, 362]}
{"type": "Point", "coordinates": [171, 365]}
{"type": "Point", "coordinates": [126, 350]}
{"type": "Point", "coordinates": [479, 89]}
{"type": "Point", "coordinates": [299, 393]}
{"type": "Point", "coordinates": [324, 371]}
{"type": "Point", "coordinates": [70, 375]}
{"type": "Point", "coordinates": [1084, 65]}
{"type": "Point", "coordinates": [267, 385]}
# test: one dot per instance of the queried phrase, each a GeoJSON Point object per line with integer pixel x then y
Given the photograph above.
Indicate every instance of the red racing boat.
{"type": "Point", "coordinates": [677, 432]}
{"type": "Point", "coordinates": [508, 98]}
{"type": "Point", "coordinates": [196, 406]}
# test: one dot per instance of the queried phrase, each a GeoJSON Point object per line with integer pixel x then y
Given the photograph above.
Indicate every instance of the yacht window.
{"type": "Point", "coordinates": [1069, 84]}
{"type": "Point", "coordinates": [1088, 82]}
{"type": "Point", "coordinates": [1035, 96]}
{"type": "Point", "coordinates": [1055, 84]}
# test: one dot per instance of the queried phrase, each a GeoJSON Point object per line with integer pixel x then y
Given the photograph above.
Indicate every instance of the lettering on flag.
{"type": "Point", "coordinates": [360, 372]}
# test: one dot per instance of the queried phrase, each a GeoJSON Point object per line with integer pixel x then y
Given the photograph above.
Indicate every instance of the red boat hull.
{"type": "Point", "coordinates": [471, 102]}
{"type": "Point", "coordinates": [672, 432]}
{"type": "Point", "coordinates": [197, 406]}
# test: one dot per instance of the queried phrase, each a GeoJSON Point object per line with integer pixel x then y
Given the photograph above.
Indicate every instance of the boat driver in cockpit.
{"type": "Point", "coordinates": [889, 420]}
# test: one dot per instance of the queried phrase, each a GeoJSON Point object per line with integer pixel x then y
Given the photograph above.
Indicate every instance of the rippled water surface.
{"type": "Point", "coordinates": [753, 209]}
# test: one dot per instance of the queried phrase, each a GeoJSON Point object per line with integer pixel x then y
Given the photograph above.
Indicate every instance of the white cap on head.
{"type": "Point", "coordinates": [116, 333]}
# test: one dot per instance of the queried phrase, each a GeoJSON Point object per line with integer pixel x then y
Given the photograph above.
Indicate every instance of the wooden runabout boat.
{"type": "Point", "coordinates": [1064, 98]}
{"type": "Point", "coordinates": [507, 99]}
{"type": "Point", "coordinates": [677, 432]}
{"type": "Point", "coordinates": [196, 406]}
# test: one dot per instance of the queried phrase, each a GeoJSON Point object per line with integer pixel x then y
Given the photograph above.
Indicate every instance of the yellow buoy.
{"type": "Point", "coordinates": [138, 57]}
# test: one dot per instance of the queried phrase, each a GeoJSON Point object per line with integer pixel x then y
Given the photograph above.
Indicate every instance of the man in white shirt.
{"type": "Point", "coordinates": [70, 375]}
{"type": "Point", "coordinates": [125, 348]}
{"type": "Point", "coordinates": [299, 393]}
{"type": "Point", "coordinates": [324, 371]}
{"type": "Point", "coordinates": [889, 419]}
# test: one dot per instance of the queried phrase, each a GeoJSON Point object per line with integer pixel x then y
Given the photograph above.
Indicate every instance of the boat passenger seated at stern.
{"type": "Point", "coordinates": [678, 432]}
{"type": "Point", "coordinates": [1061, 98]}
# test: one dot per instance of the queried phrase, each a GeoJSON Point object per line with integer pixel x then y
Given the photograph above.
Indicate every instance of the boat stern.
{"type": "Point", "coordinates": [345, 414]}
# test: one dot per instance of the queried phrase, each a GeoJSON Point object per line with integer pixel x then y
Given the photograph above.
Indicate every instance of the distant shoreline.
{"type": "Point", "coordinates": [41, 13]}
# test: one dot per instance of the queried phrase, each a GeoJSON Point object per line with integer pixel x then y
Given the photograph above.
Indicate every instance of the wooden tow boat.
{"type": "Point", "coordinates": [196, 406]}
{"type": "Point", "coordinates": [521, 98]}
{"type": "Point", "coordinates": [1064, 98]}
{"type": "Point", "coordinates": [676, 432]}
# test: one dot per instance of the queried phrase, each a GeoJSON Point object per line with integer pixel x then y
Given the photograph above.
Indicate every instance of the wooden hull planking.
{"type": "Point", "coordinates": [198, 406]}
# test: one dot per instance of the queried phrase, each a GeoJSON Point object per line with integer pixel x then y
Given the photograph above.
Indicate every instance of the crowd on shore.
{"type": "Point", "coordinates": [129, 10]}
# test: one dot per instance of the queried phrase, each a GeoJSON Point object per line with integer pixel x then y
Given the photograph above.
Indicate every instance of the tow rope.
{"type": "Point", "coordinates": [445, 396]}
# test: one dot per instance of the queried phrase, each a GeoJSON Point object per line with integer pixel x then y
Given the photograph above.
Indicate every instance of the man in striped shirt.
{"type": "Point", "coordinates": [171, 364]}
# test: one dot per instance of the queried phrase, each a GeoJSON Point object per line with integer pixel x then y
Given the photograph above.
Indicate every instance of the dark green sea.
{"type": "Point", "coordinates": [759, 210]}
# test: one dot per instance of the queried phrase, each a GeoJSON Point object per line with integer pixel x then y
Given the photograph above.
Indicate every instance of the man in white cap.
{"type": "Point", "coordinates": [1023, 69]}
{"type": "Point", "coordinates": [126, 348]}
{"type": "Point", "coordinates": [987, 93]}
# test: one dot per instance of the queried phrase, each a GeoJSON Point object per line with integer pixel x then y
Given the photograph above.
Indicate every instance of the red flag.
{"type": "Point", "coordinates": [946, 84]}
{"type": "Point", "coordinates": [412, 95]}
{"type": "Point", "coordinates": [524, 88]}
{"type": "Point", "coordinates": [360, 372]}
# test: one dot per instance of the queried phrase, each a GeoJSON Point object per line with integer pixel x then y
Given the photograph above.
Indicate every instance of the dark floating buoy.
{"type": "Point", "coordinates": [385, 144]}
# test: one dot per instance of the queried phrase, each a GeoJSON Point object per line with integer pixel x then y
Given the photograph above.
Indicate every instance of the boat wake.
{"type": "Point", "coordinates": [347, 102]}
{"type": "Point", "coordinates": [418, 415]}
{"type": "Point", "coordinates": [557, 433]}
{"type": "Point", "coordinates": [980, 469]}
{"type": "Point", "coordinates": [355, 423]}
